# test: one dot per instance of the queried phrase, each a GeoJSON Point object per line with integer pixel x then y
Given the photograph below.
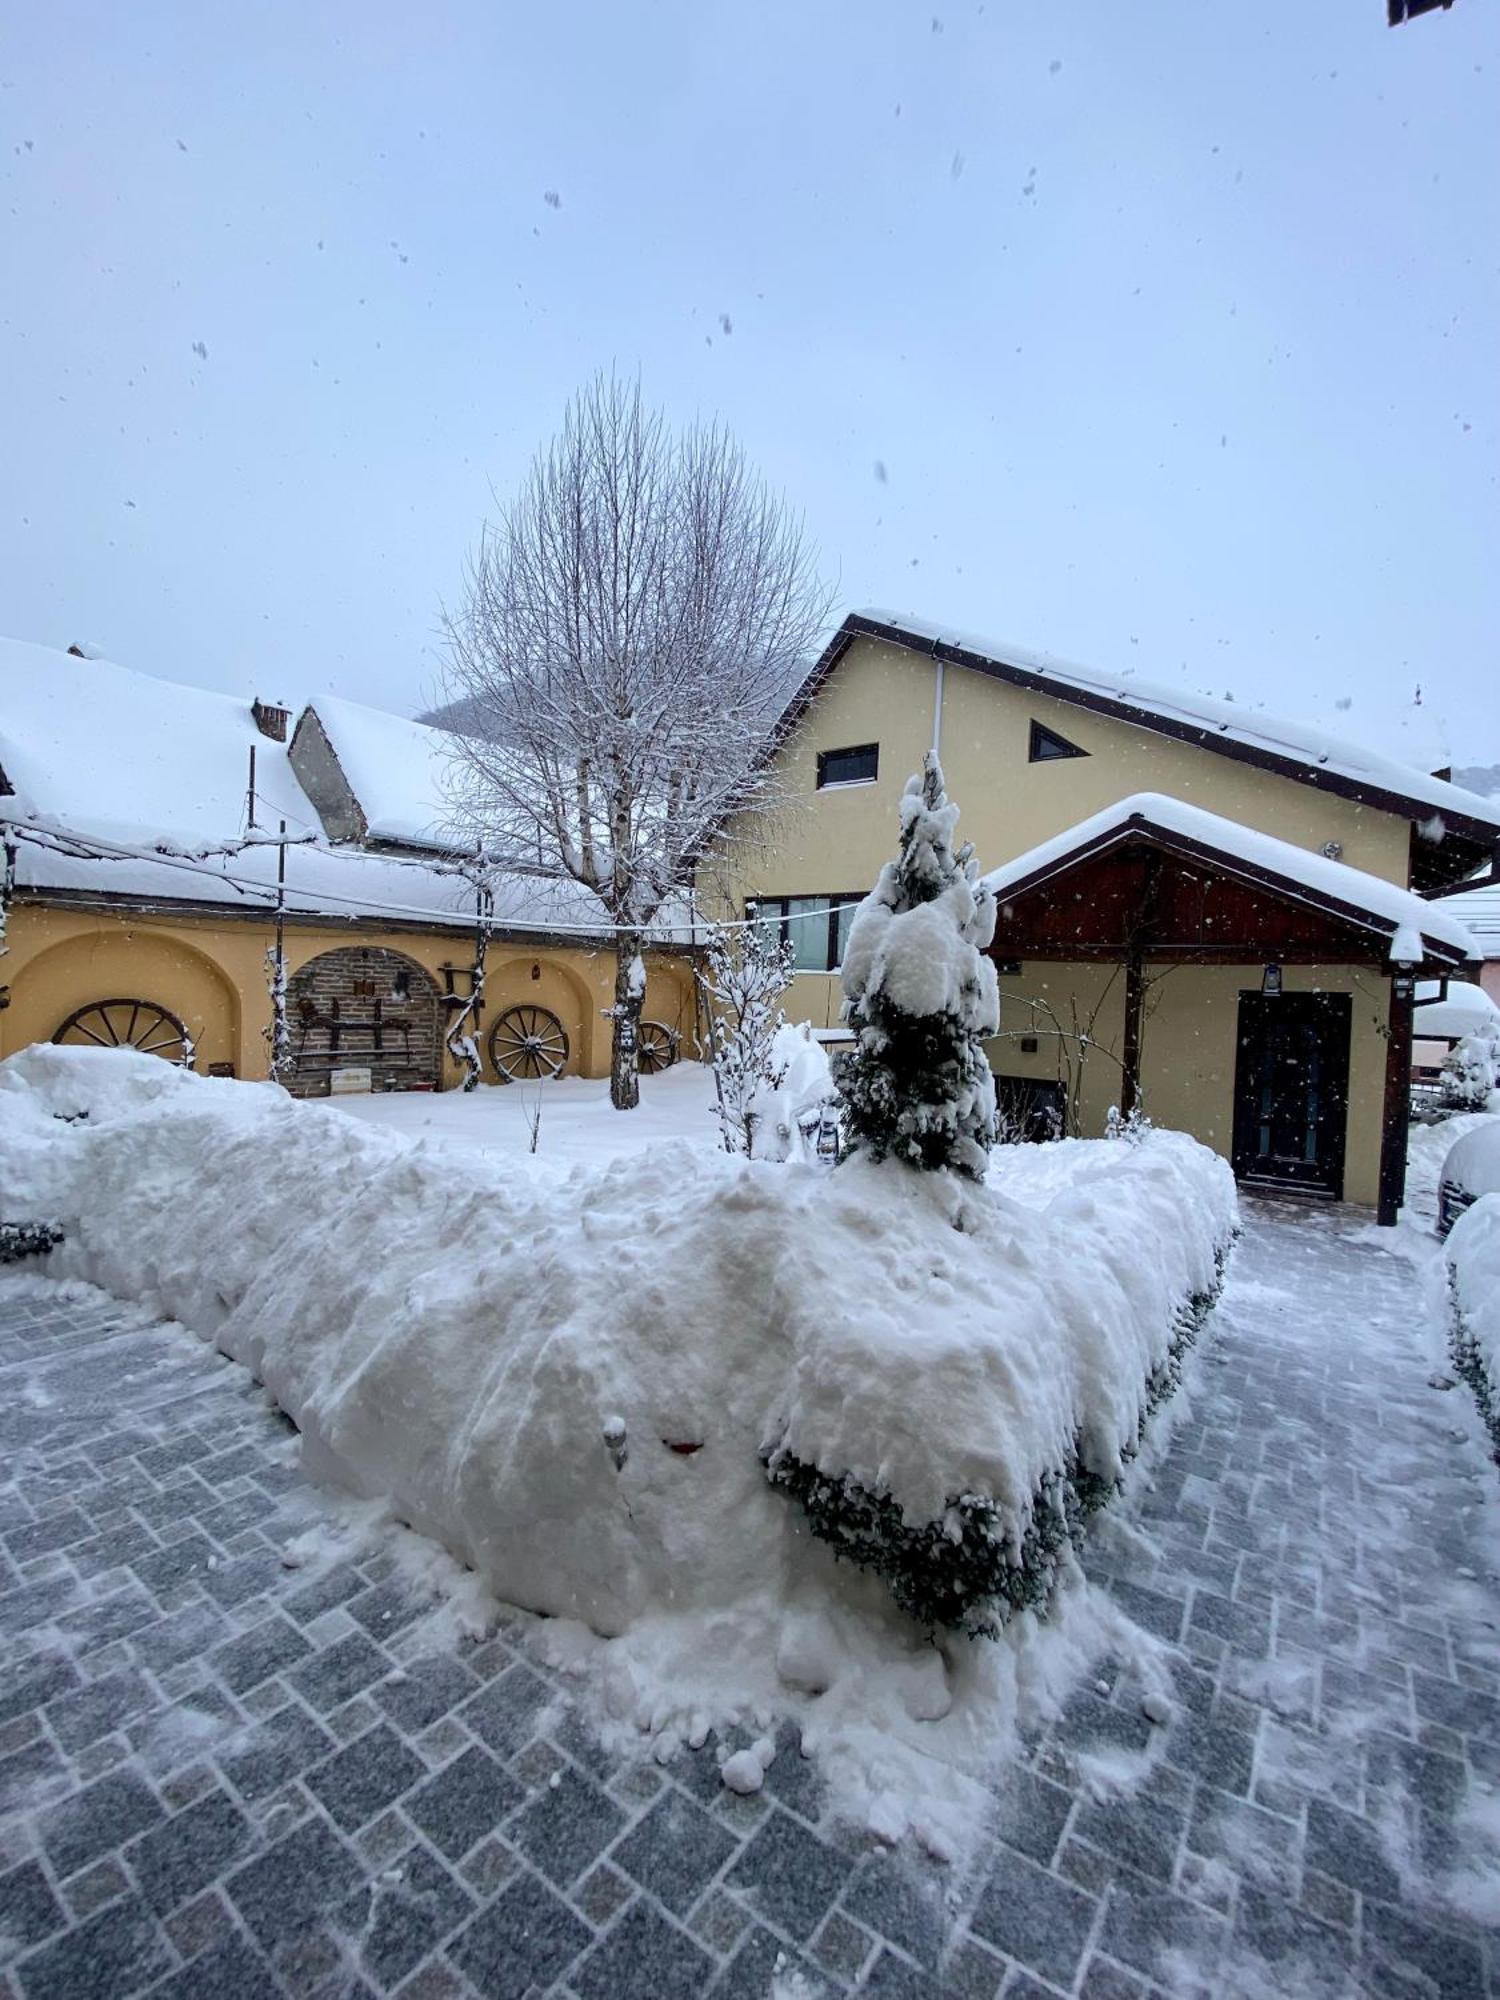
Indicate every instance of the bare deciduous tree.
{"type": "Point", "coordinates": [630, 628]}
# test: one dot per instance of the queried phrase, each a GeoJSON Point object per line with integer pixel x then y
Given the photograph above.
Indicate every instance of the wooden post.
{"type": "Point", "coordinates": [1135, 983]}
{"type": "Point", "coordinates": [1396, 1114]}
{"type": "Point", "coordinates": [1135, 995]}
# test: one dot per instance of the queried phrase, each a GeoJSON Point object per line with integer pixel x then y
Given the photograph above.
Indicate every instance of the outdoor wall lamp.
{"type": "Point", "coordinates": [1270, 980]}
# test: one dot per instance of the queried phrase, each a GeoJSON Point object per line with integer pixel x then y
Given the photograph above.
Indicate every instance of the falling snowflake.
{"type": "Point", "coordinates": [726, 323]}
{"type": "Point", "coordinates": [956, 169]}
{"type": "Point", "coordinates": [200, 350]}
{"type": "Point", "coordinates": [552, 198]}
{"type": "Point", "coordinates": [880, 471]}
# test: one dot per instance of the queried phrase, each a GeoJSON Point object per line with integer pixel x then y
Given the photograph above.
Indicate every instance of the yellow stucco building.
{"type": "Point", "coordinates": [1141, 947]}
{"type": "Point", "coordinates": [144, 832]}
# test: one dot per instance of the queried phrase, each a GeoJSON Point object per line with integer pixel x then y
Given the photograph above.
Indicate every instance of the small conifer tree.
{"type": "Point", "coordinates": [921, 998]}
{"type": "Point", "coordinates": [1470, 1072]}
{"type": "Point", "coordinates": [746, 977]}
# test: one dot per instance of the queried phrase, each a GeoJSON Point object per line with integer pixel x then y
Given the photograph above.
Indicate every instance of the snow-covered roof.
{"type": "Point", "coordinates": [105, 749]}
{"type": "Point", "coordinates": [1294, 871]}
{"type": "Point", "coordinates": [1466, 1010]}
{"type": "Point", "coordinates": [1298, 749]}
{"type": "Point", "coordinates": [1478, 910]}
{"type": "Point", "coordinates": [395, 768]}
{"type": "Point", "coordinates": [155, 773]}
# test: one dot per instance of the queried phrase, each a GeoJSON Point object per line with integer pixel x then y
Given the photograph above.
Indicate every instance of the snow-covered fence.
{"type": "Point", "coordinates": [1472, 1251]}
{"type": "Point", "coordinates": [578, 1387]}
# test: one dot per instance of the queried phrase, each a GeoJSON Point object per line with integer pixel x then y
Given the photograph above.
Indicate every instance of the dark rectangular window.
{"type": "Point", "coordinates": [816, 927]}
{"type": "Point", "coordinates": [857, 766]}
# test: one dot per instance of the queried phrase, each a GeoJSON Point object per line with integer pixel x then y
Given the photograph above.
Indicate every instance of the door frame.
{"type": "Point", "coordinates": [1335, 1012]}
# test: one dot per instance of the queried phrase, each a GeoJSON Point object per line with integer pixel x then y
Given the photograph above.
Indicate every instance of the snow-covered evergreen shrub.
{"type": "Point", "coordinates": [1470, 1073]}
{"type": "Point", "coordinates": [922, 998]}
{"type": "Point", "coordinates": [747, 973]}
{"type": "Point", "coordinates": [961, 1571]}
{"type": "Point", "coordinates": [27, 1239]}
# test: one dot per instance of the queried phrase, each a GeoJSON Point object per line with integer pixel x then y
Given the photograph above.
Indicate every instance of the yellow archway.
{"type": "Point", "coordinates": [127, 962]}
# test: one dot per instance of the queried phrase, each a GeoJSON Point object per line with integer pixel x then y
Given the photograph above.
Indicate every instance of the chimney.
{"type": "Point", "coordinates": [270, 720]}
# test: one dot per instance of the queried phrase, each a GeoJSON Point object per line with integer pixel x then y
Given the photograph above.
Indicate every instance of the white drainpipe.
{"type": "Point", "coordinates": [937, 713]}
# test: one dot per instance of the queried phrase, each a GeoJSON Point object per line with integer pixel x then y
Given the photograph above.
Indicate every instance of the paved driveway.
{"type": "Point", "coordinates": [224, 1777]}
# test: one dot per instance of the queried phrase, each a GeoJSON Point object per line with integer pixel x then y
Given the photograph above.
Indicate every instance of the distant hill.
{"type": "Point", "coordinates": [458, 716]}
{"type": "Point", "coordinates": [1481, 778]}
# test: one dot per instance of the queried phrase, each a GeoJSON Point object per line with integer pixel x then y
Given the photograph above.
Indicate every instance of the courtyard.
{"type": "Point", "coordinates": [256, 1741]}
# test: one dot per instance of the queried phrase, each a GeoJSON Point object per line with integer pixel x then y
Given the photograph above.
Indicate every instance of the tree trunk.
{"type": "Point", "coordinates": [630, 991]}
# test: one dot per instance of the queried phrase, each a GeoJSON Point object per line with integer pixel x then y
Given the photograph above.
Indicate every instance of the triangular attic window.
{"type": "Point", "coordinates": [1047, 746]}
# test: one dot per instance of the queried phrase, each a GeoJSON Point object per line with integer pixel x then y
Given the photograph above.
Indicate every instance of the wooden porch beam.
{"type": "Point", "coordinates": [1396, 1112]}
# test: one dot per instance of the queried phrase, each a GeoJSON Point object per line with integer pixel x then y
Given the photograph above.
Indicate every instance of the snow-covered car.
{"type": "Point", "coordinates": [1471, 1169]}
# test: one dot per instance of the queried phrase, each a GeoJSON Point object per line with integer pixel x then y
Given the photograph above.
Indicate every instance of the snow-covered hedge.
{"type": "Point", "coordinates": [27, 1239]}
{"type": "Point", "coordinates": [1473, 1254]}
{"type": "Point", "coordinates": [578, 1386]}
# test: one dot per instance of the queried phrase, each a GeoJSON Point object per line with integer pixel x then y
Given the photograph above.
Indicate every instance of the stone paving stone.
{"type": "Point", "coordinates": [95, 1887]}
{"type": "Point", "coordinates": [345, 1669]}
{"type": "Point", "coordinates": [273, 1751]}
{"type": "Point", "coordinates": [1147, 1927]}
{"type": "Point", "coordinates": [231, 1970]}
{"type": "Point", "coordinates": [1350, 1850]}
{"type": "Point", "coordinates": [886, 1896]}
{"type": "Point", "coordinates": [789, 1876]}
{"type": "Point", "coordinates": [258, 1654]}
{"type": "Point", "coordinates": [675, 1850]}
{"type": "Point", "coordinates": [566, 1827]}
{"type": "Point", "coordinates": [843, 1948]}
{"type": "Point", "coordinates": [115, 1953]}
{"type": "Point", "coordinates": [29, 1911]}
{"type": "Point", "coordinates": [1140, 1833]}
{"type": "Point", "coordinates": [642, 1958]}
{"type": "Point", "coordinates": [365, 1777]}
{"type": "Point", "coordinates": [404, 1914]}
{"type": "Point", "coordinates": [891, 1978]}
{"type": "Point", "coordinates": [1034, 1917]}
{"type": "Point", "coordinates": [201, 1924]}
{"type": "Point", "coordinates": [80, 1718]}
{"type": "Point", "coordinates": [424, 1691]}
{"type": "Point", "coordinates": [79, 1829]}
{"type": "Point", "coordinates": [1031, 1814]}
{"type": "Point", "coordinates": [466, 1800]}
{"type": "Point", "coordinates": [1448, 1964]}
{"type": "Point", "coordinates": [527, 1938]}
{"type": "Point", "coordinates": [295, 1882]}
{"type": "Point", "coordinates": [174, 1862]}
{"type": "Point", "coordinates": [504, 1714]}
{"type": "Point", "coordinates": [43, 1680]}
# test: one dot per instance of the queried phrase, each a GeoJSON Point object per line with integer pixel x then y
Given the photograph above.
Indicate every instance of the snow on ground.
{"type": "Point", "coordinates": [578, 1125]}
{"type": "Point", "coordinates": [569, 1382]}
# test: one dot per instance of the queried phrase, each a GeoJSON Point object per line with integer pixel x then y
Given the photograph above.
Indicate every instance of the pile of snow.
{"type": "Point", "coordinates": [570, 1383]}
{"type": "Point", "coordinates": [1466, 1010]}
{"type": "Point", "coordinates": [1473, 1257]}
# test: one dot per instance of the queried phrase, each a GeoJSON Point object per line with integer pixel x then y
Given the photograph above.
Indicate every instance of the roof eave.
{"type": "Point", "coordinates": [1138, 826]}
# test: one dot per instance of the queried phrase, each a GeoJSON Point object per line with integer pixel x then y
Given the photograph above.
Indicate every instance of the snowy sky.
{"type": "Point", "coordinates": [1161, 335]}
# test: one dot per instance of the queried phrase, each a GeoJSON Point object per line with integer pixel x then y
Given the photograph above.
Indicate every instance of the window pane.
{"type": "Point", "coordinates": [807, 921]}
{"type": "Point", "coordinates": [855, 766]}
{"type": "Point", "coordinates": [845, 919]}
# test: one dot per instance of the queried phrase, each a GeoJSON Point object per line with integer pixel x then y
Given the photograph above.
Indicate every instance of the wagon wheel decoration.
{"type": "Point", "coordinates": [528, 1043]}
{"type": "Point", "coordinates": [128, 1024]}
{"type": "Point", "coordinates": [656, 1046]}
